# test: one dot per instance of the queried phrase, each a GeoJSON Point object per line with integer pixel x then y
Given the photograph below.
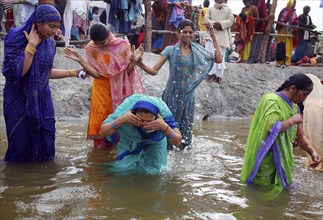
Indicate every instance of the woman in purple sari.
{"type": "Point", "coordinates": [27, 104]}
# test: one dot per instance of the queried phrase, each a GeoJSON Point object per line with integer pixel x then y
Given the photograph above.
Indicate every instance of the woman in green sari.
{"type": "Point", "coordinates": [268, 158]}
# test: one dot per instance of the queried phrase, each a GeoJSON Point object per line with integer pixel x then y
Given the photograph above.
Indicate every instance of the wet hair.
{"type": "Point", "coordinates": [186, 22]}
{"type": "Point", "coordinates": [98, 32]}
{"type": "Point", "coordinates": [206, 3]}
{"type": "Point", "coordinates": [300, 80]}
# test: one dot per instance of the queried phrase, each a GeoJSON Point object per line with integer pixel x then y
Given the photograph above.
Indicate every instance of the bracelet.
{"type": "Point", "coordinates": [171, 135]}
{"type": "Point", "coordinates": [166, 129]}
{"type": "Point", "coordinates": [72, 72]}
{"type": "Point", "coordinates": [291, 122]}
{"type": "Point", "coordinates": [30, 49]}
{"type": "Point", "coordinates": [113, 125]}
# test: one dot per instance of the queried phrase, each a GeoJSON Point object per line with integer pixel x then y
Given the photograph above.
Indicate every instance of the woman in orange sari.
{"type": "Point", "coordinates": [112, 65]}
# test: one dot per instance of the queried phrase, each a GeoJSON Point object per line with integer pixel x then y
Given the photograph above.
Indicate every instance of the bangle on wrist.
{"type": "Point", "coordinates": [171, 135]}
{"type": "Point", "coordinates": [30, 49]}
{"type": "Point", "coordinates": [72, 72]}
{"type": "Point", "coordinates": [166, 129]}
{"type": "Point", "coordinates": [290, 121]}
{"type": "Point", "coordinates": [113, 125]}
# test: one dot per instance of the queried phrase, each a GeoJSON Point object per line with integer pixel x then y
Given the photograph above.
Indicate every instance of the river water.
{"type": "Point", "coordinates": [202, 183]}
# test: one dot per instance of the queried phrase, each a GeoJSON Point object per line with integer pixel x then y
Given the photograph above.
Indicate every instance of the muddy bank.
{"type": "Point", "coordinates": [238, 96]}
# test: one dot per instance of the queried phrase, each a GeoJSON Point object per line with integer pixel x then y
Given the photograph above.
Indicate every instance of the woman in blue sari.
{"type": "Point", "coordinates": [27, 104]}
{"type": "Point", "coordinates": [143, 124]}
{"type": "Point", "coordinates": [189, 64]}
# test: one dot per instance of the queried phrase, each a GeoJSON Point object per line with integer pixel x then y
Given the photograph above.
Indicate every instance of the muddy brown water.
{"type": "Point", "coordinates": [202, 183]}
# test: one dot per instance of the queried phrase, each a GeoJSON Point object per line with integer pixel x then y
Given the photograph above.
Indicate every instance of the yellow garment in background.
{"type": "Point", "coordinates": [201, 19]}
{"type": "Point", "coordinates": [288, 42]}
{"type": "Point", "coordinates": [246, 51]}
{"type": "Point", "coordinates": [244, 56]}
{"type": "Point", "coordinates": [313, 119]}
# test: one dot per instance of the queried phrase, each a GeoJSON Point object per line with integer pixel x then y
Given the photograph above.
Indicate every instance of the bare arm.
{"type": "Point", "coordinates": [304, 143]}
{"type": "Point", "coordinates": [174, 136]}
{"type": "Point", "coordinates": [127, 118]}
{"type": "Point", "coordinates": [154, 70]}
{"type": "Point", "coordinates": [74, 55]}
{"type": "Point", "coordinates": [217, 51]}
{"type": "Point", "coordinates": [60, 74]}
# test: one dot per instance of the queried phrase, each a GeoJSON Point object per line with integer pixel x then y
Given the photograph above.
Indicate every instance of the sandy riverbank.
{"type": "Point", "coordinates": [238, 96]}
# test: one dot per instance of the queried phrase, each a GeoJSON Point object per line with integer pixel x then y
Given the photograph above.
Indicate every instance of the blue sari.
{"type": "Point", "coordinates": [138, 150]}
{"type": "Point", "coordinates": [27, 104]}
{"type": "Point", "coordinates": [185, 74]}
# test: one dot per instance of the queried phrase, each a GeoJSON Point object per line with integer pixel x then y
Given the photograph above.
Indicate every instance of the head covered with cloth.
{"type": "Point", "coordinates": [142, 145]}
{"type": "Point", "coordinates": [29, 52]}
{"type": "Point", "coordinates": [42, 64]}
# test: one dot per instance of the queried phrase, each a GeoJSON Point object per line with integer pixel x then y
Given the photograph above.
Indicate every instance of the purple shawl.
{"type": "Point", "coordinates": [36, 79]}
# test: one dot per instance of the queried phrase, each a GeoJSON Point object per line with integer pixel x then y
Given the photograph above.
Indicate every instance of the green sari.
{"type": "Point", "coordinates": [268, 158]}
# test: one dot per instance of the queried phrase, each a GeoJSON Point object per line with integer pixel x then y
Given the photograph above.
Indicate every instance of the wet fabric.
{"type": "Point", "coordinates": [138, 150]}
{"type": "Point", "coordinates": [268, 158]}
{"type": "Point", "coordinates": [313, 119]}
{"type": "Point", "coordinates": [186, 73]}
{"type": "Point", "coordinates": [27, 106]}
{"type": "Point", "coordinates": [111, 62]}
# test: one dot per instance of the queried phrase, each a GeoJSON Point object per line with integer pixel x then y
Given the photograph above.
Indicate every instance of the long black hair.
{"type": "Point", "coordinates": [300, 80]}
{"type": "Point", "coordinates": [99, 32]}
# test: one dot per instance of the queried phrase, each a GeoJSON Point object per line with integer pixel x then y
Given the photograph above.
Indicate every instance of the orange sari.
{"type": "Point", "coordinates": [116, 84]}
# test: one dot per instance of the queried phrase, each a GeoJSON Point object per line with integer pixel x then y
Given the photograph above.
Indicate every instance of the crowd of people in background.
{"type": "Point", "coordinates": [293, 39]}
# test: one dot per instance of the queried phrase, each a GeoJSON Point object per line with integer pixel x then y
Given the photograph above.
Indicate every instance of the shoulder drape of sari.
{"type": "Point", "coordinates": [263, 166]}
{"type": "Point", "coordinates": [111, 61]}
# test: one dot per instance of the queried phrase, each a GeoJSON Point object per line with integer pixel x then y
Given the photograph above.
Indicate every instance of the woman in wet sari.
{"type": "Point", "coordinates": [112, 65]}
{"type": "Point", "coordinates": [27, 104]}
{"type": "Point", "coordinates": [268, 158]}
{"type": "Point", "coordinates": [189, 64]}
{"type": "Point", "coordinates": [142, 125]}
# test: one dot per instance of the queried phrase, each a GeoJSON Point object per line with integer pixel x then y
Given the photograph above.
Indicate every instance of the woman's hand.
{"type": "Point", "coordinates": [315, 158]}
{"type": "Point", "coordinates": [131, 118]}
{"type": "Point", "coordinates": [137, 53]}
{"type": "Point", "coordinates": [33, 37]}
{"type": "Point", "coordinates": [209, 27]}
{"type": "Point", "coordinates": [297, 118]}
{"type": "Point", "coordinates": [72, 54]}
{"type": "Point", "coordinates": [156, 125]}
